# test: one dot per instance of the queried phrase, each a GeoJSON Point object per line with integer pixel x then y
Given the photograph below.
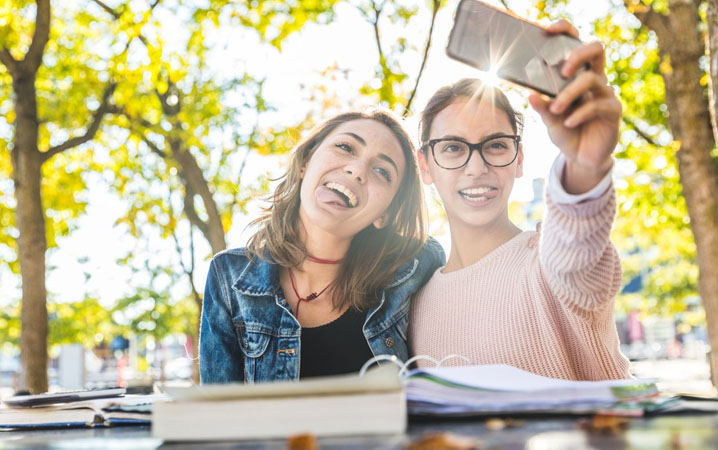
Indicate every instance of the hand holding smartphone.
{"type": "Point", "coordinates": [519, 51]}
{"type": "Point", "coordinates": [583, 115]}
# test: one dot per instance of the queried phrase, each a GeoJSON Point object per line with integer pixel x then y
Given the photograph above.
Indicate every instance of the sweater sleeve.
{"type": "Point", "coordinates": [580, 264]}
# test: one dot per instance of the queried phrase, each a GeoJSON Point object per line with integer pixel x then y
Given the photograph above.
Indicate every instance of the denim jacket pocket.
{"type": "Point", "coordinates": [254, 343]}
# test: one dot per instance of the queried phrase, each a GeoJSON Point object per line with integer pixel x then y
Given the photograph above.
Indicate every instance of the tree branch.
{"type": "Point", "coordinates": [645, 136]}
{"type": "Point", "coordinates": [104, 6]}
{"type": "Point", "coordinates": [143, 123]}
{"type": "Point", "coordinates": [152, 145]}
{"type": "Point", "coordinates": [9, 62]}
{"type": "Point", "coordinates": [191, 213]}
{"type": "Point", "coordinates": [33, 58]}
{"type": "Point", "coordinates": [189, 271]}
{"type": "Point", "coordinates": [375, 23]}
{"type": "Point", "coordinates": [435, 9]}
{"type": "Point", "coordinates": [164, 98]}
{"type": "Point", "coordinates": [179, 253]}
{"type": "Point", "coordinates": [97, 117]}
{"type": "Point", "coordinates": [196, 184]}
{"type": "Point", "coordinates": [138, 120]}
{"type": "Point", "coordinates": [116, 15]}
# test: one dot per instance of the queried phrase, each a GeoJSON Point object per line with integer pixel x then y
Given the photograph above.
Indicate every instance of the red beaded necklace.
{"type": "Point", "coordinates": [313, 295]}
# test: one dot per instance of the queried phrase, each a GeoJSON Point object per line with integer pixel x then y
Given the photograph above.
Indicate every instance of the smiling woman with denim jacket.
{"type": "Point", "coordinates": [325, 282]}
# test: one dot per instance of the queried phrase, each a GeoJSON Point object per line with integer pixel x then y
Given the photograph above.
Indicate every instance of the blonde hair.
{"type": "Point", "coordinates": [374, 255]}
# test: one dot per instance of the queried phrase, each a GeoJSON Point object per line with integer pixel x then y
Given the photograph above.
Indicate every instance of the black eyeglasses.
{"type": "Point", "coordinates": [455, 153]}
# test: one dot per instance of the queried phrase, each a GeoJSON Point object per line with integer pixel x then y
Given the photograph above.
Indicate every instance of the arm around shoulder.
{"type": "Point", "coordinates": [220, 357]}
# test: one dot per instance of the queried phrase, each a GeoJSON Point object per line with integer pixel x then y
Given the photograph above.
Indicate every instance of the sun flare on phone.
{"type": "Point", "coordinates": [490, 78]}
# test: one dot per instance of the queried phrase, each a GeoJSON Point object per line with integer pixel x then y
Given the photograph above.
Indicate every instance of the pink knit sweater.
{"type": "Point", "coordinates": [547, 309]}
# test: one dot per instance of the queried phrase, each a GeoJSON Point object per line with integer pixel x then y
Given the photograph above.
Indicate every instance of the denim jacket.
{"type": "Point", "coordinates": [249, 334]}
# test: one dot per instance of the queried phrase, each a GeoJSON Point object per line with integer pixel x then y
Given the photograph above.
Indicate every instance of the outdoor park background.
{"type": "Point", "coordinates": [138, 138]}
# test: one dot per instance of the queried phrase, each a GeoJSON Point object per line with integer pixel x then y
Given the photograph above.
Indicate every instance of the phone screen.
{"type": "Point", "coordinates": [517, 50]}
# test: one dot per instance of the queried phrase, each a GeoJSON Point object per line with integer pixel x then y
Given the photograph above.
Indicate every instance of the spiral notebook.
{"type": "Point", "coordinates": [503, 389]}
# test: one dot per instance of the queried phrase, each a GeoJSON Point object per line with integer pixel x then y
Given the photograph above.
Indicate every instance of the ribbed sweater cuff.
{"type": "Point", "coordinates": [589, 208]}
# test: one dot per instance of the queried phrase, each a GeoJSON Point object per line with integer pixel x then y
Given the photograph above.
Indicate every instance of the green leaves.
{"type": "Point", "coordinates": [79, 322]}
{"type": "Point", "coordinates": [652, 229]}
{"type": "Point", "coordinates": [276, 20]}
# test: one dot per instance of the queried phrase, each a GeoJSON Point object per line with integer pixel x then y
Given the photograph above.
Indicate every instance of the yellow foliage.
{"type": "Point", "coordinates": [665, 67]}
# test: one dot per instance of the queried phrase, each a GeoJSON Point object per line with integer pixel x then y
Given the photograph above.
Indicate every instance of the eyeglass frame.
{"type": "Point", "coordinates": [478, 146]}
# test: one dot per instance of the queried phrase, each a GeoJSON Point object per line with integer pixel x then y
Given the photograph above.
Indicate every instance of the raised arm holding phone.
{"type": "Point", "coordinates": [548, 310]}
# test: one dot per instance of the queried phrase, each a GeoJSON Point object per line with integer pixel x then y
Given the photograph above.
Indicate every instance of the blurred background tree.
{"type": "Point", "coordinates": [127, 95]}
{"type": "Point", "coordinates": [54, 99]}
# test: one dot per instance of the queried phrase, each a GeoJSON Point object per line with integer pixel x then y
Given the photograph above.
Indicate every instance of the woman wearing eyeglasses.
{"type": "Point", "coordinates": [547, 309]}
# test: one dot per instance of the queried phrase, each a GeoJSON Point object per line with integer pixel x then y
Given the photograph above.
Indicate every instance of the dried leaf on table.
{"type": "Point", "coordinates": [305, 441]}
{"type": "Point", "coordinates": [443, 441]}
{"type": "Point", "coordinates": [496, 424]}
{"type": "Point", "coordinates": [606, 424]}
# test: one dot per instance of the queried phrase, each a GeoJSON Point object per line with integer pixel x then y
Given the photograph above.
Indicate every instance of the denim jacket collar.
{"type": "Point", "coordinates": [259, 278]}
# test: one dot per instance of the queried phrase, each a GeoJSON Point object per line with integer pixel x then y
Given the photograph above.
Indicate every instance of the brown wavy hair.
{"type": "Point", "coordinates": [374, 255]}
{"type": "Point", "coordinates": [470, 89]}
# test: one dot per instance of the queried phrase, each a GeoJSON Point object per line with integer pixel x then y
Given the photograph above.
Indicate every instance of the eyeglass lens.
{"type": "Point", "coordinates": [499, 151]}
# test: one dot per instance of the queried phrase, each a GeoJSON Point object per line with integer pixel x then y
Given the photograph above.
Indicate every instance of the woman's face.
{"type": "Point", "coordinates": [477, 194]}
{"type": "Point", "coordinates": [351, 179]}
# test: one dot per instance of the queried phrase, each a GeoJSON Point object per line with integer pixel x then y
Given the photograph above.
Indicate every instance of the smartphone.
{"type": "Point", "coordinates": [24, 401]}
{"type": "Point", "coordinates": [517, 50]}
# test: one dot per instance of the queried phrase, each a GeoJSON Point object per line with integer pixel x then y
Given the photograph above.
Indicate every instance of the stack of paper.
{"type": "Point", "coordinates": [497, 389]}
{"type": "Point", "coordinates": [127, 410]}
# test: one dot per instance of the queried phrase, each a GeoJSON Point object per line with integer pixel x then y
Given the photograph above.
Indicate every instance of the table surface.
{"type": "Point", "coordinates": [681, 431]}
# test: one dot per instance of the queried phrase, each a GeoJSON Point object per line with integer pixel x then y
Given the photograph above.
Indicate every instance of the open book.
{"type": "Point", "coordinates": [324, 406]}
{"type": "Point", "coordinates": [127, 410]}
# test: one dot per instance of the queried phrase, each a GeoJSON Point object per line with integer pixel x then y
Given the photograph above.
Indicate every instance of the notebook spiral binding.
{"type": "Point", "coordinates": [404, 366]}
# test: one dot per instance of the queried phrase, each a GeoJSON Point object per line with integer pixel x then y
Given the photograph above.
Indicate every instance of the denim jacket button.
{"type": "Point", "coordinates": [389, 342]}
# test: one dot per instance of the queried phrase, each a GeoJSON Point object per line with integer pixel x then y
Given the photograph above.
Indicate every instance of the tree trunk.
{"type": "Point", "coordinates": [27, 163]}
{"type": "Point", "coordinates": [712, 259]}
{"type": "Point", "coordinates": [195, 183]}
{"type": "Point", "coordinates": [712, 46]}
{"type": "Point", "coordinates": [212, 228]}
{"type": "Point", "coordinates": [689, 118]}
{"type": "Point", "coordinates": [27, 166]}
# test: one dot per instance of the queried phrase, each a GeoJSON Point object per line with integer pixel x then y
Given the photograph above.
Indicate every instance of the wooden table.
{"type": "Point", "coordinates": [682, 431]}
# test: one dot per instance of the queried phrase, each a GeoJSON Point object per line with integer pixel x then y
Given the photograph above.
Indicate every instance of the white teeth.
{"type": "Point", "coordinates": [353, 201]}
{"type": "Point", "coordinates": [476, 191]}
{"type": "Point", "coordinates": [475, 198]}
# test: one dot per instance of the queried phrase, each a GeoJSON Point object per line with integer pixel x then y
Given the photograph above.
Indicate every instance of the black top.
{"type": "Point", "coordinates": [336, 347]}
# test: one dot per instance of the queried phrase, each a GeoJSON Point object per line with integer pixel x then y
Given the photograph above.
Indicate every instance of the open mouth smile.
{"type": "Point", "coordinates": [348, 197]}
{"type": "Point", "coordinates": [479, 193]}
